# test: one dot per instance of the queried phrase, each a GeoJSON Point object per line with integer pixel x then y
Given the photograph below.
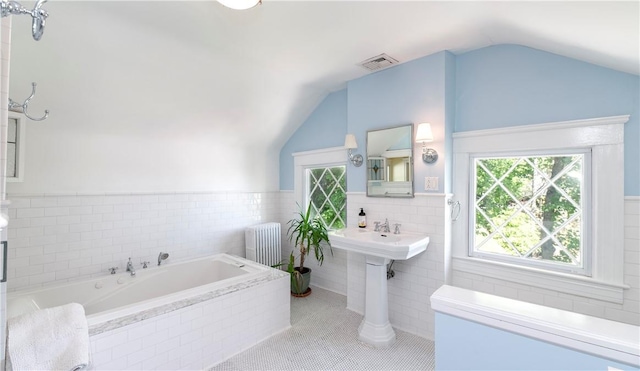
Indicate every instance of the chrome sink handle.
{"type": "Point", "coordinates": [377, 227]}
{"type": "Point", "coordinates": [113, 270]}
{"type": "Point", "coordinates": [145, 265]}
{"type": "Point", "coordinates": [397, 229]}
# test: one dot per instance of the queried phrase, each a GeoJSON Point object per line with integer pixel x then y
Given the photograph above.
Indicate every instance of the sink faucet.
{"type": "Point", "coordinates": [130, 268]}
{"type": "Point", "coordinates": [385, 227]}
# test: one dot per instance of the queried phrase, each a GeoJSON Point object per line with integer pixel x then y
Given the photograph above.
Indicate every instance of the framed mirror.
{"type": "Point", "coordinates": [390, 162]}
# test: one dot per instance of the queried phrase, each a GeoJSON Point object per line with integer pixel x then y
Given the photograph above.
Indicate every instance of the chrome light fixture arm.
{"type": "Point", "coordinates": [39, 15]}
{"type": "Point", "coordinates": [356, 160]}
{"type": "Point", "coordinates": [429, 155]}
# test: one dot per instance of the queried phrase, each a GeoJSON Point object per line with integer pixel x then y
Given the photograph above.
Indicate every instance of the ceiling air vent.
{"type": "Point", "coordinates": [378, 62]}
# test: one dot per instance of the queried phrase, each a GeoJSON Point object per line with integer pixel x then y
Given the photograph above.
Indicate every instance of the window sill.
{"type": "Point", "coordinates": [561, 282]}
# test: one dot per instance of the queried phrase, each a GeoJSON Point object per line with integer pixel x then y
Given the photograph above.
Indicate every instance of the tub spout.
{"type": "Point", "coordinates": [162, 256]}
{"type": "Point", "coordinates": [130, 268]}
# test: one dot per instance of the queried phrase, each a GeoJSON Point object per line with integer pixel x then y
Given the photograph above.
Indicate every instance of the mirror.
{"type": "Point", "coordinates": [390, 162]}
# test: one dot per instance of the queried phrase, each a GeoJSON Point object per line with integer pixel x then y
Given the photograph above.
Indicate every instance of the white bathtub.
{"type": "Point", "coordinates": [119, 301]}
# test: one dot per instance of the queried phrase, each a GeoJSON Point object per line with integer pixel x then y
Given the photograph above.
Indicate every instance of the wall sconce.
{"type": "Point", "coordinates": [350, 143]}
{"type": "Point", "coordinates": [424, 135]}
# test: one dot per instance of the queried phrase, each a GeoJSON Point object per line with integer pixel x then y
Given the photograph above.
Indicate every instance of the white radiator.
{"type": "Point", "coordinates": [262, 243]}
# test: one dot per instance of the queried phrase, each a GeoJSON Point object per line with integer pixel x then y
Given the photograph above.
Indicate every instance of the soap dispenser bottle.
{"type": "Point", "coordinates": [362, 219]}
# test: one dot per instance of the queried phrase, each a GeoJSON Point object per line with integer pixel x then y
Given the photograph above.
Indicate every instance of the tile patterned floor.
{"type": "Point", "coordinates": [324, 336]}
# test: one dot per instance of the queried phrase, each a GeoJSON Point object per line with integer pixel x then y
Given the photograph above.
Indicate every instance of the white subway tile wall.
{"type": "Point", "coordinates": [628, 311]}
{"type": "Point", "coordinates": [53, 239]}
{"type": "Point", "coordinates": [58, 238]}
{"type": "Point", "coordinates": [199, 336]}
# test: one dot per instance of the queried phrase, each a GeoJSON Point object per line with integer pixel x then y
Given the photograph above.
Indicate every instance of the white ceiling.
{"type": "Point", "coordinates": [264, 70]}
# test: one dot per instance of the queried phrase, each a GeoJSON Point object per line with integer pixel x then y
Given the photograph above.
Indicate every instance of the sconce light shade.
{"type": "Point", "coordinates": [240, 4]}
{"type": "Point", "coordinates": [350, 144]}
{"type": "Point", "coordinates": [424, 135]}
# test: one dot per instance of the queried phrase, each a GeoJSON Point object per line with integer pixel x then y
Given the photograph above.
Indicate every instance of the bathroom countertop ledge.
{"type": "Point", "coordinates": [601, 337]}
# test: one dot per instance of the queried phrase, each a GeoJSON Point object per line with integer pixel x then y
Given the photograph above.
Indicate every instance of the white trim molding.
{"type": "Point", "coordinates": [334, 156]}
{"type": "Point", "coordinates": [21, 143]}
{"type": "Point", "coordinates": [605, 138]}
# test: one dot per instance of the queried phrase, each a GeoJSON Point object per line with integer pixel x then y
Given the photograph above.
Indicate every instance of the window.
{"type": "Point", "coordinates": [15, 148]}
{"type": "Point", "coordinates": [543, 205]}
{"type": "Point", "coordinates": [528, 210]}
{"type": "Point", "coordinates": [327, 194]}
{"type": "Point", "coordinates": [320, 178]}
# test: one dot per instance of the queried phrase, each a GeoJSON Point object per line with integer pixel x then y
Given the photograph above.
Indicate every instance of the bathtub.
{"type": "Point", "coordinates": [184, 297]}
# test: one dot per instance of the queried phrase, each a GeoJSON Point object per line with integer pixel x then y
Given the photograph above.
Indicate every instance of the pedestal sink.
{"type": "Point", "coordinates": [379, 249]}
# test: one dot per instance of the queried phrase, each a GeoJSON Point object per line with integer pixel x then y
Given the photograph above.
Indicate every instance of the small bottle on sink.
{"type": "Point", "coordinates": [362, 219]}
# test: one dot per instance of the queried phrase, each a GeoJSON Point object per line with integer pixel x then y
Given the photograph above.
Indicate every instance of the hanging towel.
{"type": "Point", "coordinates": [49, 339]}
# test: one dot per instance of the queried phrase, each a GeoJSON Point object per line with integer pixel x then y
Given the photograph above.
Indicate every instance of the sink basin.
{"type": "Point", "coordinates": [384, 237]}
{"type": "Point", "coordinates": [384, 245]}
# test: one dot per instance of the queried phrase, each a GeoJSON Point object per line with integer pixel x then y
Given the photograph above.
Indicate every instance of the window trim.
{"type": "Point", "coordinates": [21, 140]}
{"type": "Point", "coordinates": [605, 137]}
{"type": "Point", "coordinates": [302, 161]}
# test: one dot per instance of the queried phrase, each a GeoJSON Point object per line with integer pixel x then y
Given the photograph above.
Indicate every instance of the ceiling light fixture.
{"type": "Point", "coordinates": [240, 4]}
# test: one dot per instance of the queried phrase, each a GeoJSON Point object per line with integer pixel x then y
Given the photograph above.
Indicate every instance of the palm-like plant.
{"type": "Point", "coordinates": [307, 233]}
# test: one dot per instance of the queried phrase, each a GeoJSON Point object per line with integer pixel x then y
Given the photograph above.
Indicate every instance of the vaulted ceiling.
{"type": "Point", "coordinates": [262, 71]}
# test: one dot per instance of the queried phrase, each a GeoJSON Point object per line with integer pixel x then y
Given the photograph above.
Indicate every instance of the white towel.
{"type": "Point", "coordinates": [49, 339]}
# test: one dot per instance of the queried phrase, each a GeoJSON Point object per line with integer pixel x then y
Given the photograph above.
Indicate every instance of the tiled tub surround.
{"type": "Point", "coordinates": [190, 329]}
{"type": "Point", "coordinates": [57, 238]}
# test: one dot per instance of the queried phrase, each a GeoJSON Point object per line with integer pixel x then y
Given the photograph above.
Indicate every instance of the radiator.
{"type": "Point", "coordinates": [262, 243]}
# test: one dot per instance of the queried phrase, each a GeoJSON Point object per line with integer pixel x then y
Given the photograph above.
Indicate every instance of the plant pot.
{"type": "Point", "coordinates": [300, 280]}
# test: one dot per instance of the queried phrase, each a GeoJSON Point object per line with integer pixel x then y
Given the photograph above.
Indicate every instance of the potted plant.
{"type": "Point", "coordinates": [307, 233]}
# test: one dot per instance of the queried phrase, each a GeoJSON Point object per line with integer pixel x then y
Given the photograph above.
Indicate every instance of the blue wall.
{"type": "Point", "coordinates": [410, 93]}
{"type": "Point", "coordinates": [510, 85]}
{"type": "Point", "coordinates": [497, 86]}
{"type": "Point", "coordinates": [466, 345]}
{"type": "Point", "coordinates": [325, 128]}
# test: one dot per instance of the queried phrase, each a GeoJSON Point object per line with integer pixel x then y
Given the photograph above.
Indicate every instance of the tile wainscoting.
{"type": "Point", "coordinates": [57, 238]}
{"type": "Point", "coordinates": [60, 238]}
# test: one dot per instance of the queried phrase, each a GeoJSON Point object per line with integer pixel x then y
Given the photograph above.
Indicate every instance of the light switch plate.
{"type": "Point", "coordinates": [431, 183]}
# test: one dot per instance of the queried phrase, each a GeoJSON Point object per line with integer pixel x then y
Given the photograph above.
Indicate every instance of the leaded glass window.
{"type": "Point", "coordinates": [327, 194]}
{"type": "Point", "coordinates": [531, 210]}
